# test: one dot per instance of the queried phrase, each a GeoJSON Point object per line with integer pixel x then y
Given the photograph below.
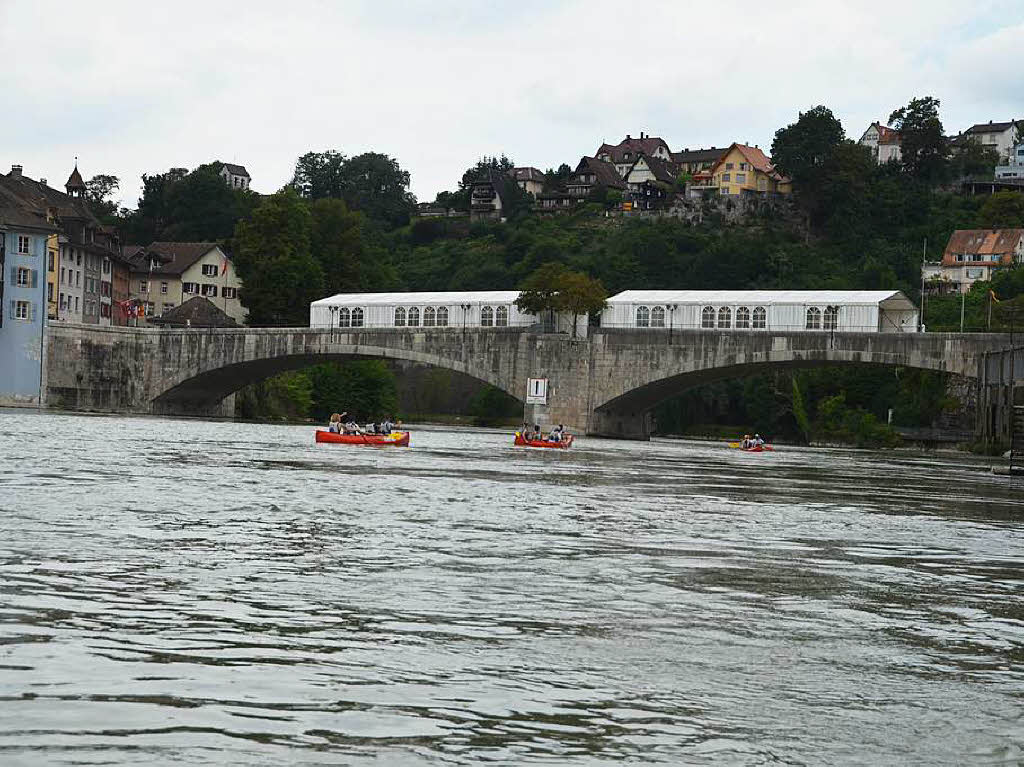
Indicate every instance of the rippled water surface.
{"type": "Point", "coordinates": [183, 592]}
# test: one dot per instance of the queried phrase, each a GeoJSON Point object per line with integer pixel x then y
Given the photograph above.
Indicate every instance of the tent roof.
{"type": "Point", "coordinates": [386, 299]}
{"type": "Point", "coordinates": [763, 297]}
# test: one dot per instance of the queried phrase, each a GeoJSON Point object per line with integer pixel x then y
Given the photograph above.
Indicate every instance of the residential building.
{"type": "Point", "coordinates": [489, 198]}
{"type": "Point", "coordinates": [52, 267]}
{"type": "Point", "coordinates": [25, 229]}
{"type": "Point", "coordinates": [235, 176]}
{"type": "Point", "coordinates": [976, 254]}
{"type": "Point", "coordinates": [745, 170]}
{"type": "Point", "coordinates": [697, 161]}
{"type": "Point", "coordinates": [591, 175]}
{"type": "Point", "coordinates": [166, 274]}
{"type": "Point", "coordinates": [529, 180]}
{"type": "Point", "coordinates": [624, 154]}
{"type": "Point", "coordinates": [1000, 137]}
{"type": "Point", "coordinates": [1014, 166]}
{"type": "Point", "coordinates": [120, 276]}
{"type": "Point", "coordinates": [651, 182]}
{"type": "Point", "coordinates": [883, 141]}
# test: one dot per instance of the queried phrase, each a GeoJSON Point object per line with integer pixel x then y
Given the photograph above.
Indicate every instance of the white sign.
{"type": "Point", "coordinates": [536, 391]}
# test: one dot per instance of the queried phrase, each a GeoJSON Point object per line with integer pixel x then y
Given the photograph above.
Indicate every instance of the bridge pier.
{"type": "Point", "coordinates": [621, 425]}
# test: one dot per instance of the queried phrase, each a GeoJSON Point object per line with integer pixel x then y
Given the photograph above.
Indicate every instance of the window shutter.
{"type": "Point", "coordinates": [35, 278]}
{"type": "Point", "coordinates": [14, 276]}
{"type": "Point", "coordinates": [32, 311]}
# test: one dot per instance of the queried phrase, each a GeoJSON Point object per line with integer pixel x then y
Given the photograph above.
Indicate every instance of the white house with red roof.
{"type": "Point", "coordinates": [883, 141]}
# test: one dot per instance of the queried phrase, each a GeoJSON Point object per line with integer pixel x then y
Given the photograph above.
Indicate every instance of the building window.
{"type": "Point", "coordinates": [743, 317]}
{"type": "Point", "coordinates": [106, 266]}
{"type": "Point", "coordinates": [741, 178]}
{"type": "Point", "coordinates": [49, 292]}
{"type": "Point", "coordinates": [399, 317]}
{"type": "Point", "coordinates": [725, 317]}
{"type": "Point", "coordinates": [167, 307]}
{"type": "Point", "coordinates": [724, 190]}
{"type": "Point", "coordinates": [78, 279]}
{"type": "Point", "coordinates": [50, 261]}
{"type": "Point", "coordinates": [210, 291]}
{"type": "Point", "coordinates": [429, 317]}
{"type": "Point", "coordinates": [143, 286]}
{"type": "Point", "coordinates": [21, 310]}
{"type": "Point", "coordinates": [105, 310]}
{"type": "Point", "coordinates": [726, 177]}
{"type": "Point", "coordinates": [760, 318]}
{"type": "Point", "coordinates": [414, 316]}
{"type": "Point", "coordinates": [707, 317]}
{"type": "Point", "coordinates": [643, 317]}
{"type": "Point", "coordinates": [813, 318]}
{"type": "Point", "coordinates": [209, 270]}
{"type": "Point", "coordinates": [728, 166]}
{"type": "Point", "coordinates": [23, 278]}
{"type": "Point", "coordinates": [76, 304]}
{"type": "Point", "coordinates": [62, 275]}
{"type": "Point", "coordinates": [501, 317]}
{"type": "Point", "coordinates": [163, 288]}
{"type": "Point", "coordinates": [658, 317]}
{"type": "Point", "coordinates": [831, 317]}
{"type": "Point", "coordinates": [344, 317]}
{"type": "Point", "coordinates": [762, 184]}
{"type": "Point", "coordinates": [229, 292]}
{"type": "Point", "coordinates": [150, 309]}
{"type": "Point", "coordinates": [188, 288]}
{"type": "Point", "coordinates": [357, 317]}
{"type": "Point", "coordinates": [24, 244]}
{"type": "Point", "coordinates": [487, 317]}
{"type": "Point", "coordinates": [442, 316]}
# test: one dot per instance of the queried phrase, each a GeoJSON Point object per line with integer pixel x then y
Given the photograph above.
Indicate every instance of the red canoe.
{"type": "Point", "coordinates": [761, 449]}
{"type": "Point", "coordinates": [541, 442]}
{"type": "Point", "coordinates": [396, 438]}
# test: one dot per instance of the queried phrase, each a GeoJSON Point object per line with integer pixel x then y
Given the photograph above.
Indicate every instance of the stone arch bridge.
{"type": "Point", "coordinates": [605, 384]}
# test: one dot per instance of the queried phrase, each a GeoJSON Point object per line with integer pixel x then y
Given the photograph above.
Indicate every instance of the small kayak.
{"type": "Point", "coordinates": [521, 442]}
{"type": "Point", "coordinates": [395, 438]}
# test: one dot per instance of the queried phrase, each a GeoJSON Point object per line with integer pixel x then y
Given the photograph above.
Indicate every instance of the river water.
{"type": "Point", "coordinates": [187, 592]}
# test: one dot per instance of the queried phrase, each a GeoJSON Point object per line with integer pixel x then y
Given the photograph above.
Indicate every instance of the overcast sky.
{"type": "Point", "coordinates": [133, 87]}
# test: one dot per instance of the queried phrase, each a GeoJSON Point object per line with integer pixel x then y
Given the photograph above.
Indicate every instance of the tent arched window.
{"type": "Point", "coordinates": [813, 318]}
{"type": "Point", "coordinates": [357, 317]}
{"type": "Point", "coordinates": [725, 317]}
{"type": "Point", "coordinates": [414, 316]}
{"type": "Point", "coordinates": [501, 317]}
{"type": "Point", "coordinates": [657, 316]}
{"type": "Point", "coordinates": [643, 317]}
{"type": "Point", "coordinates": [429, 317]}
{"type": "Point", "coordinates": [707, 317]}
{"type": "Point", "coordinates": [831, 317]}
{"type": "Point", "coordinates": [399, 317]}
{"type": "Point", "coordinates": [344, 317]}
{"type": "Point", "coordinates": [487, 316]}
{"type": "Point", "coordinates": [743, 317]}
{"type": "Point", "coordinates": [760, 318]}
{"type": "Point", "coordinates": [442, 316]}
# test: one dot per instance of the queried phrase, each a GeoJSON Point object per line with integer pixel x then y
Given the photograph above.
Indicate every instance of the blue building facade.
{"type": "Point", "coordinates": [23, 235]}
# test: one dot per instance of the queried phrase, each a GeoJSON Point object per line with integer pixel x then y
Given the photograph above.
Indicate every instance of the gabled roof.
{"type": "Point", "coordinates": [752, 297]}
{"type": "Point", "coordinates": [697, 155]}
{"type": "Point", "coordinates": [527, 174]}
{"type": "Point", "coordinates": [758, 160]}
{"type": "Point", "coordinates": [991, 127]}
{"type": "Point", "coordinates": [414, 299]}
{"type": "Point", "coordinates": [235, 170]}
{"type": "Point", "coordinates": [995, 244]}
{"type": "Point", "coordinates": [663, 171]}
{"type": "Point", "coordinates": [197, 312]}
{"type": "Point", "coordinates": [647, 145]}
{"type": "Point", "coordinates": [604, 172]}
{"type": "Point", "coordinates": [176, 256]}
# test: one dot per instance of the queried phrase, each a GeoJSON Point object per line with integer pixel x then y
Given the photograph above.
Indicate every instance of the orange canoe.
{"type": "Point", "coordinates": [395, 438]}
{"type": "Point", "coordinates": [542, 442]}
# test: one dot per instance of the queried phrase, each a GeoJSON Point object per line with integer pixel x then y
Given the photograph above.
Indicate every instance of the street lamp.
{"type": "Point", "coordinates": [832, 312]}
{"type": "Point", "coordinates": [465, 313]}
{"type": "Point", "coordinates": [671, 316]}
{"type": "Point", "coordinates": [334, 313]}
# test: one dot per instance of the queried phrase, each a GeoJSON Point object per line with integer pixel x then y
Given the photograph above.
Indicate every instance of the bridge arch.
{"type": "Point", "coordinates": [668, 369]}
{"type": "Point", "coordinates": [204, 391]}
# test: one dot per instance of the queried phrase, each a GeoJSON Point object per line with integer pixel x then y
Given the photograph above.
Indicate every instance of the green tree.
{"type": "Point", "coordinates": [554, 288]}
{"type": "Point", "coordinates": [555, 180]}
{"type": "Point", "coordinates": [273, 257]}
{"type": "Point", "coordinates": [98, 193]}
{"type": "Point", "coordinates": [319, 174]}
{"type": "Point", "coordinates": [1002, 210]}
{"type": "Point", "coordinates": [800, 149]}
{"type": "Point", "coordinates": [923, 142]}
{"type": "Point", "coordinates": [336, 242]}
{"type": "Point", "coordinates": [376, 185]}
{"type": "Point", "coordinates": [972, 160]}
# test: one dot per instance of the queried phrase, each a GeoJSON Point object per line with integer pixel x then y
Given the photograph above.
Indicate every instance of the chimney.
{"type": "Point", "coordinates": [16, 171]}
{"type": "Point", "coordinates": [627, 137]}
{"type": "Point", "coordinates": [42, 181]}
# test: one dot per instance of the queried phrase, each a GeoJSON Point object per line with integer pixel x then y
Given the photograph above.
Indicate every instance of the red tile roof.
{"type": "Point", "coordinates": [996, 245]}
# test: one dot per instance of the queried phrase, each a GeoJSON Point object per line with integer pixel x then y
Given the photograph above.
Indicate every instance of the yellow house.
{"type": "Point", "coordinates": [745, 169]}
{"type": "Point", "coordinates": [52, 249]}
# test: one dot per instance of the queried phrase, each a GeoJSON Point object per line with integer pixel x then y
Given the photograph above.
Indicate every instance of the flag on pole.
{"type": "Point", "coordinates": [224, 267]}
{"type": "Point", "coordinates": [992, 295]}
